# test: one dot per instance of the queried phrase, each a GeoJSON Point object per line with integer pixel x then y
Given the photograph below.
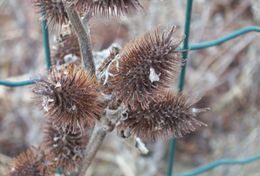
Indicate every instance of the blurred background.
{"type": "Point", "coordinates": [227, 77]}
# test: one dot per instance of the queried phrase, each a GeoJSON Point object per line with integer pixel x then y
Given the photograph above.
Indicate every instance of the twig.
{"type": "Point", "coordinates": [98, 135]}
{"type": "Point", "coordinates": [106, 124]}
{"type": "Point", "coordinates": [83, 38]}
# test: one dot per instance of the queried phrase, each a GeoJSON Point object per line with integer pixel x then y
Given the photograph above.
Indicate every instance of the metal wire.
{"type": "Point", "coordinates": [218, 163]}
{"type": "Point", "coordinates": [172, 144]}
{"type": "Point", "coordinates": [16, 83]}
{"type": "Point", "coordinates": [219, 41]}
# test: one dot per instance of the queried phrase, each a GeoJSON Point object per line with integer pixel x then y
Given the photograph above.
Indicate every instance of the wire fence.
{"type": "Point", "coordinates": [186, 47]}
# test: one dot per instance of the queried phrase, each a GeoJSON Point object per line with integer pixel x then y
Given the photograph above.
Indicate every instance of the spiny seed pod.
{"type": "Point", "coordinates": [66, 50]}
{"type": "Point", "coordinates": [169, 115]}
{"type": "Point", "coordinates": [146, 65]}
{"type": "Point", "coordinates": [32, 162]}
{"type": "Point", "coordinates": [69, 96]}
{"type": "Point", "coordinates": [107, 7]}
{"type": "Point", "coordinates": [53, 10]}
{"type": "Point", "coordinates": [66, 147]}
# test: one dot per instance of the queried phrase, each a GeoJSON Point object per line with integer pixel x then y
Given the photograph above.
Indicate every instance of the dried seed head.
{"type": "Point", "coordinates": [66, 50]}
{"type": "Point", "coordinates": [26, 164]}
{"type": "Point", "coordinates": [66, 147]}
{"type": "Point", "coordinates": [107, 7]}
{"type": "Point", "coordinates": [69, 96]}
{"type": "Point", "coordinates": [169, 115]}
{"type": "Point", "coordinates": [32, 162]}
{"type": "Point", "coordinates": [146, 65]}
{"type": "Point", "coordinates": [54, 11]}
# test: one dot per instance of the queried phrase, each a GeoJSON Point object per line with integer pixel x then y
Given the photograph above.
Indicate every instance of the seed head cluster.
{"type": "Point", "coordinates": [107, 7]}
{"type": "Point", "coordinates": [55, 13]}
{"type": "Point", "coordinates": [53, 10]}
{"type": "Point", "coordinates": [168, 115]}
{"type": "Point", "coordinates": [31, 163]}
{"type": "Point", "coordinates": [146, 65]}
{"type": "Point", "coordinates": [69, 97]}
{"type": "Point", "coordinates": [137, 79]}
{"type": "Point", "coordinates": [66, 146]}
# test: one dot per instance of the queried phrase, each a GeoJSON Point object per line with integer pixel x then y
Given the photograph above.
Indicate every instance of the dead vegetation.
{"type": "Point", "coordinates": [227, 77]}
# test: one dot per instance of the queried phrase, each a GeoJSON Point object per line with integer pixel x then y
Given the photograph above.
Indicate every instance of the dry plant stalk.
{"type": "Point", "coordinates": [131, 91]}
{"type": "Point", "coordinates": [83, 38]}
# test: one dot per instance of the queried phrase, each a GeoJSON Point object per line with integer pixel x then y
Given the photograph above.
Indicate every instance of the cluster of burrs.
{"type": "Point", "coordinates": [138, 79]}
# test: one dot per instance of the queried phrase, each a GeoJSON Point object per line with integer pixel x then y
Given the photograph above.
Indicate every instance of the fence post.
{"type": "Point", "coordinates": [172, 144]}
{"type": "Point", "coordinates": [45, 37]}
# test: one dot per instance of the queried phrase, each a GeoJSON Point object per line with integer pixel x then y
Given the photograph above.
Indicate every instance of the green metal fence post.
{"type": "Point", "coordinates": [45, 37]}
{"type": "Point", "coordinates": [172, 144]}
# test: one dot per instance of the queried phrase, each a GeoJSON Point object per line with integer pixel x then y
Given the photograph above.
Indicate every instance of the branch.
{"type": "Point", "coordinates": [96, 139]}
{"type": "Point", "coordinates": [83, 38]}
{"type": "Point", "coordinates": [106, 124]}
